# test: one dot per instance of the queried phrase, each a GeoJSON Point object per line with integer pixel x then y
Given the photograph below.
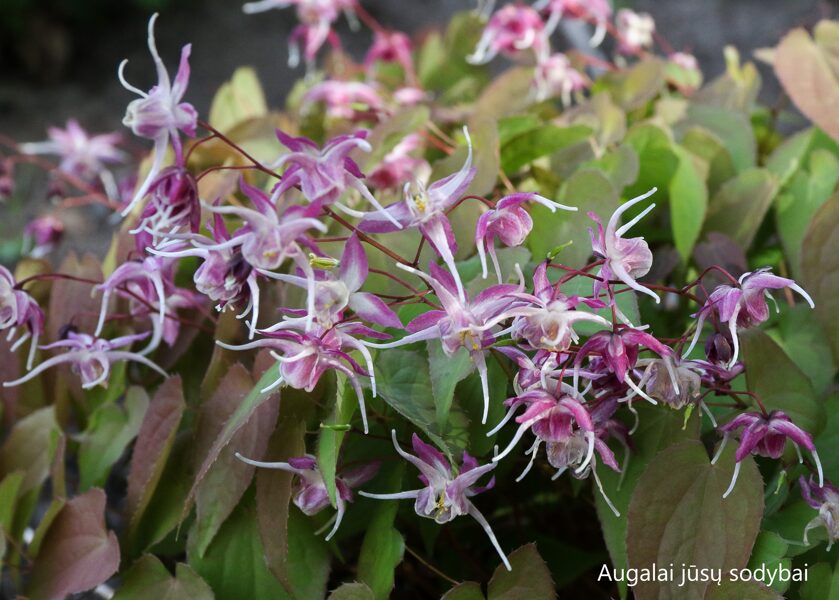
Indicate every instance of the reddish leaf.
{"type": "Point", "coordinates": [154, 442]}
{"type": "Point", "coordinates": [820, 267]}
{"type": "Point", "coordinates": [807, 78]}
{"type": "Point", "coordinates": [71, 302]}
{"type": "Point", "coordinates": [78, 552]}
{"type": "Point", "coordinates": [228, 478]}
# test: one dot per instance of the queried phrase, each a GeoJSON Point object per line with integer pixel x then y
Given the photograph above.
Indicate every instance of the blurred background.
{"type": "Point", "coordinates": [58, 59]}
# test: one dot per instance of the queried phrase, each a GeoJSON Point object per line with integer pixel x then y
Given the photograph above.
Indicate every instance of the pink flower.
{"type": "Point", "coordinates": [398, 166]}
{"type": "Point", "coordinates": [447, 493]}
{"type": "Point", "coordinates": [42, 235]}
{"type": "Point", "coordinates": [635, 31]}
{"type": "Point", "coordinates": [510, 223]}
{"type": "Point", "coordinates": [391, 47]}
{"type": "Point", "coordinates": [82, 154]}
{"type": "Point", "coordinates": [310, 494]}
{"type": "Point", "coordinates": [598, 11]}
{"type": "Point", "coordinates": [159, 114]}
{"type": "Point", "coordinates": [173, 207]}
{"type": "Point", "coordinates": [343, 98]}
{"type": "Point", "coordinates": [18, 309]}
{"type": "Point", "coordinates": [625, 259]}
{"type": "Point", "coordinates": [90, 357]}
{"type": "Point", "coordinates": [824, 498]}
{"type": "Point", "coordinates": [765, 435]}
{"type": "Point", "coordinates": [556, 77]}
{"type": "Point", "coordinates": [510, 31]}
{"type": "Point", "coordinates": [745, 305]}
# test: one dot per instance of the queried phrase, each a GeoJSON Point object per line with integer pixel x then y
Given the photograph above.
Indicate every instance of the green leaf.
{"type": "Point", "coordinates": [621, 166]}
{"type": "Point", "coordinates": [678, 515]}
{"type": "Point", "coordinates": [9, 487]}
{"type": "Point", "coordinates": [688, 203]}
{"type": "Point", "coordinates": [822, 583]}
{"type": "Point", "coordinates": [446, 371]}
{"type": "Point", "coordinates": [405, 384]}
{"type": "Point", "coordinates": [732, 127]}
{"type": "Point", "coordinates": [657, 163]}
{"type": "Point", "coordinates": [469, 397]}
{"type": "Point", "coordinates": [109, 431]}
{"type": "Point", "coordinates": [383, 546]}
{"type": "Point", "coordinates": [710, 148]}
{"type": "Point", "coordinates": [590, 191]}
{"type": "Point", "coordinates": [352, 591]}
{"type": "Point", "coordinates": [634, 87]}
{"type": "Point", "coordinates": [78, 552]}
{"type": "Point", "coordinates": [329, 440]}
{"type": "Point", "coordinates": [149, 578]}
{"type": "Point", "coordinates": [781, 385]}
{"type": "Point", "coordinates": [529, 578]}
{"type": "Point", "coordinates": [741, 590]}
{"type": "Point", "coordinates": [827, 442]}
{"type": "Point", "coordinates": [738, 208]}
{"type": "Point", "coordinates": [238, 100]}
{"type": "Point", "coordinates": [769, 552]}
{"type": "Point", "coordinates": [803, 339]}
{"type": "Point", "coordinates": [151, 451]}
{"type": "Point", "coordinates": [24, 449]}
{"type": "Point", "coordinates": [468, 590]}
{"type": "Point", "coordinates": [536, 143]}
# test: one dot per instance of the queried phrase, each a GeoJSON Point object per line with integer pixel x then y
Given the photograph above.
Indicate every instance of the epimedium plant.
{"type": "Point", "coordinates": [535, 291]}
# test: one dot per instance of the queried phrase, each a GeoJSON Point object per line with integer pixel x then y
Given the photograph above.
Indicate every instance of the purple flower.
{"type": "Point", "coordinates": [159, 114]}
{"type": "Point", "coordinates": [316, 19]}
{"type": "Point", "coordinates": [556, 77]}
{"type": "Point", "coordinates": [18, 309]}
{"type": "Point", "coordinates": [625, 259]}
{"type": "Point", "coordinates": [310, 494]}
{"type": "Point", "coordinates": [597, 10]}
{"type": "Point", "coordinates": [745, 305]}
{"type": "Point", "coordinates": [343, 98]}
{"type": "Point", "coordinates": [90, 357]}
{"type": "Point", "coordinates": [391, 47]}
{"type": "Point", "coordinates": [547, 321]}
{"type": "Point", "coordinates": [82, 154]}
{"type": "Point", "coordinates": [173, 207]}
{"type": "Point", "coordinates": [42, 235]}
{"type": "Point", "coordinates": [618, 351]}
{"type": "Point", "coordinates": [635, 31]}
{"type": "Point", "coordinates": [426, 209]}
{"type": "Point", "coordinates": [398, 166]}
{"type": "Point", "coordinates": [446, 494]}
{"type": "Point", "coordinates": [825, 499]}
{"type": "Point", "coordinates": [466, 323]}
{"type": "Point", "coordinates": [510, 223]}
{"type": "Point", "coordinates": [325, 174]}
{"type": "Point", "coordinates": [765, 435]}
{"type": "Point", "coordinates": [332, 295]}
{"type": "Point", "coordinates": [308, 354]}
{"type": "Point", "coordinates": [512, 30]}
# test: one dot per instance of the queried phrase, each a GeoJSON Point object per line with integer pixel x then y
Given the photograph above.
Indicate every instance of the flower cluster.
{"type": "Point", "coordinates": [264, 251]}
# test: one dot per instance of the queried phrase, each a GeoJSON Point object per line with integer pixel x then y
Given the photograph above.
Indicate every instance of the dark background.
{"type": "Point", "coordinates": [58, 58]}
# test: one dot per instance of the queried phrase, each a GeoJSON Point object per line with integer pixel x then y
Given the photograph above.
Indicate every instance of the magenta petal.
{"type": "Point", "coordinates": [426, 320]}
{"type": "Point", "coordinates": [353, 270]}
{"type": "Point", "coordinates": [371, 308]}
{"type": "Point", "coordinates": [430, 455]}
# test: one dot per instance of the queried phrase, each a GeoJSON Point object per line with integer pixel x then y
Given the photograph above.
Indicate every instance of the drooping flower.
{"type": "Point", "coordinates": [310, 494]}
{"type": "Point", "coordinates": [512, 30]}
{"type": "Point", "coordinates": [173, 207]}
{"type": "Point", "coordinates": [744, 305]}
{"type": "Point", "coordinates": [42, 235]}
{"type": "Point", "coordinates": [325, 174]}
{"type": "Point", "coordinates": [399, 166]}
{"type": "Point", "coordinates": [463, 322]}
{"type": "Point", "coordinates": [19, 309]}
{"type": "Point", "coordinates": [316, 20]}
{"type": "Point", "coordinates": [160, 114]}
{"type": "Point", "coordinates": [624, 259]}
{"type": "Point", "coordinates": [547, 321]}
{"type": "Point", "coordinates": [599, 11]}
{"type": "Point", "coordinates": [90, 357]}
{"type": "Point", "coordinates": [825, 499]}
{"type": "Point", "coordinates": [332, 295]}
{"type": "Point", "coordinates": [391, 47]}
{"type": "Point", "coordinates": [765, 435]}
{"type": "Point", "coordinates": [510, 223]}
{"type": "Point", "coordinates": [84, 155]}
{"type": "Point", "coordinates": [343, 99]}
{"type": "Point", "coordinates": [556, 77]}
{"type": "Point", "coordinates": [426, 209]}
{"type": "Point", "coordinates": [635, 31]}
{"type": "Point", "coordinates": [447, 493]}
